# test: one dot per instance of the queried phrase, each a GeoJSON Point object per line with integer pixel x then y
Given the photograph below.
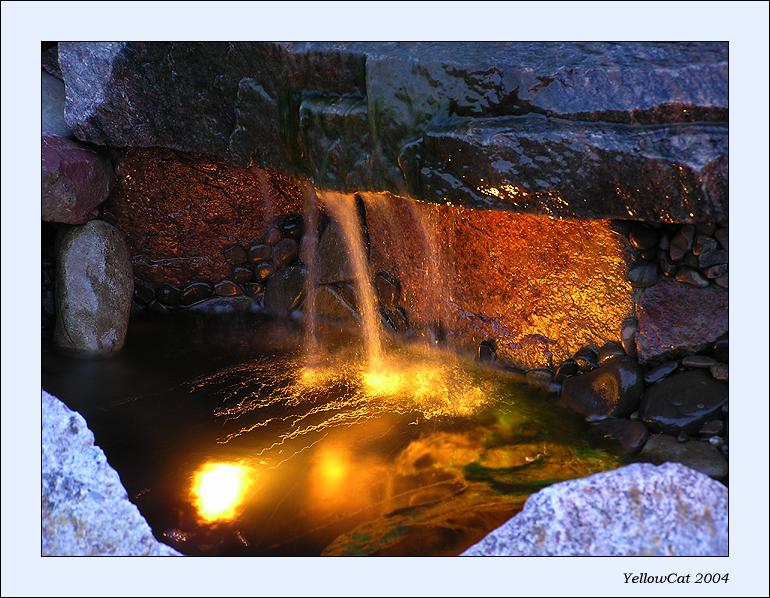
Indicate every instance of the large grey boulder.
{"type": "Point", "coordinates": [637, 510]}
{"type": "Point", "coordinates": [85, 509]}
{"type": "Point", "coordinates": [431, 120]}
{"type": "Point", "coordinates": [94, 288]}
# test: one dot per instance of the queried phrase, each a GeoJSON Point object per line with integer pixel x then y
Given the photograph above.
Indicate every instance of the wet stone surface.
{"type": "Point", "coordinates": [196, 291]}
{"type": "Point", "coordinates": [614, 389]}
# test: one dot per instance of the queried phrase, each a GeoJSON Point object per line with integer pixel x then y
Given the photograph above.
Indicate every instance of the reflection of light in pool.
{"type": "Point", "coordinates": [219, 489]}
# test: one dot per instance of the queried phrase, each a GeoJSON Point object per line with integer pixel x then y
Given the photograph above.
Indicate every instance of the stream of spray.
{"type": "Point", "coordinates": [309, 256]}
{"type": "Point", "coordinates": [342, 208]}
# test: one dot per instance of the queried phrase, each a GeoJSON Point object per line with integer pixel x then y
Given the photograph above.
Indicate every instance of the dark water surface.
{"type": "Point", "coordinates": [229, 445]}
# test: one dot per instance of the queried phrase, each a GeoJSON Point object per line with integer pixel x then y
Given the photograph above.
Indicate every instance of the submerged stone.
{"type": "Point", "coordinates": [698, 455]}
{"type": "Point", "coordinates": [611, 390]}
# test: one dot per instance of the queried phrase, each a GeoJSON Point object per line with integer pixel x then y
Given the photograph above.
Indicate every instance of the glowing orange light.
{"type": "Point", "coordinates": [219, 490]}
{"type": "Point", "coordinates": [383, 383]}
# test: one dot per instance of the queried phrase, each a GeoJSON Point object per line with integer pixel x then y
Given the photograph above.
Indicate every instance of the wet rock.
{"type": "Point", "coordinates": [681, 242]}
{"type": "Point", "coordinates": [697, 455]}
{"type": "Point", "coordinates": [143, 293]}
{"type": "Point", "coordinates": [713, 258]}
{"type": "Point", "coordinates": [540, 378]}
{"type": "Point", "coordinates": [643, 274]}
{"type": "Point", "coordinates": [722, 235]}
{"type": "Point", "coordinates": [226, 288]}
{"type": "Point", "coordinates": [331, 305]}
{"type": "Point", "coordinates": [242, 274]}
{"type": "Point", "coordinates": [388, 290]}
{"type": "Point", "coordinates": [618, 513]}
{"type": "Point", "coordinates": [259, 252]}
{"type": "Point", "coordinates": [333, 260]}
{"type": "Point", "coordinates": [196, 291]}
{"type": "Point", "coordinates": [285, 290]}
{"type": "Point", "coordinates": [691, 277]}
{"type": "Point", "coordinates": [609, 350]}
{"type": "Point", "coordinates": [85, 509]}
{"type": "Point", "coordinates": [568, 368]}
{"type": "Point", "coordinates": [587, 358]}
{"type": "Point", "coordinates": [75, 181]}
{"type": "Point", "coordinates": [661, 371]}
{"type": "Point", "coordinates": [723, 281]}
{"type": "Point", "coordinates": [715, 426]}
{"type": "Point", "coordinates": [703, 244]}
{"type": "Point", "coordinates": [263, 271]}
{"type": "Point", "coordinates": [620, 435]}
{"type": "Point", "coordinates": [716, 441]}
{"type": "Point", "coordinates": [94, 288]}
{"type": "Point", "coordinates": [716, 271]}
{"type": "Point", "coordinates": [273, 236]}
{"type": "Point", "coordinates": [235, 254]}
{"type": "Point", "coordinates": [52, 98]}
{"type": "Point", "coordinates": [614, 389]}
{"type": "Point", "coordinates": [487, 351]}
{"type": "Point", "coordinates": [253, 289]}
{"type": "Point", "coordinates": [667, 267]}
{"type": "Point", "coordinates": [721, 350]}
{"type": "Point", "coordinates": [683, 401]}
{"type": "Point", "coordinates": [49, 60]}
{"type": "Point", "coordinates": [168, 295]}
{"type": "Point", "coordinates": [285, 252]}
{"type": "Point", "coordinates": [643, 237]}
{"type": "Point", "coordinates": [698, 361]}
{"type": "Point", "coordinates": [677, 315]}
{"type": "Point", "coordinates": [291, 227]}
{"type": "Point", "coordinates": [628, 332]}
{"type": "Point", "coordinates": [719, 371]}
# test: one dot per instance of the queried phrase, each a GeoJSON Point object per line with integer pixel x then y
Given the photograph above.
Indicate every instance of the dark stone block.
{"type": "Point", "coordinates": [613, 390]}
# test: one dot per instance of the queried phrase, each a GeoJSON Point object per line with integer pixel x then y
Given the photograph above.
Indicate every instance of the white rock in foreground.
{"type": "Point", "coordinates": [85, 509]}
{"type": "Point", "coordinates": [637, 510]}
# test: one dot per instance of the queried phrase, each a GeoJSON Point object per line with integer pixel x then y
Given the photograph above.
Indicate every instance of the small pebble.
{"type": "Point", "coordinates": [712, 428]}
{"type": "Point", "coordinates": [721, 235]}
{"type": "Point", "coordinates": [167, 295]}
{"type": "Point", "coordinates": [273, 236]}
{"type": "Point", "coordinates": [263, 271]}
{"type": "Point", "coordinates": [681, 242]}
{"type": "Point", "coordinates": [259, 252]}
{"type": "Point", "coordinates": [587, 359]}
{"type": "Point", "coordinates": [659, 372]}
{"type": "Point", "coordinates": [667, 267]}
{"type": "Point", "coordinates": [719, 371]}
{"type": "Point", "coordinates": [716, 271]}
{"type": "Point", "coordinates": [610, 350]}
{"type": "Point", "coordinates": [196, 291]}
{"type": "Point", "coordinates": [284, 253]}
{"type": "Point", "coordinates": [698, 361]}
{"type": "Point", "coordinates": [242, 274]}
{"type": "Point", "coordinates": [628, 336]}
{"type": "Point", "coordinates": [252, 289]}
{"type": "Point", "coordinates": [568, 368]}
{"type": "Point", "coordinates": [712, 258]}
{"type": "Point", "coordinates": [643, 237]}
{"type": "Point", "coordinates": [643, 274]}
{"type": "Point", "coordinates": [691, 277]}
{"type": "Point", "coordinates": [703, 244]}
{"type": "Point", "coordinates": [227, 288]}
{"type": "Point", "coordinates": [716, 440]}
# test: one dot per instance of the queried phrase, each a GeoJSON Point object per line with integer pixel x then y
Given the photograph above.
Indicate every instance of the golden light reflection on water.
{"type": "Point", "coordinates": [219, 490]}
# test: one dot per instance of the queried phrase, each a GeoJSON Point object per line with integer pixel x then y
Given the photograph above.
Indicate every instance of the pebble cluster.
{"type": "Point", "coordinates": [693, 254]}
{"type": "Point", "coordinates": [252, 267]}
{"type": "Point", "coordinates": [675, 410]}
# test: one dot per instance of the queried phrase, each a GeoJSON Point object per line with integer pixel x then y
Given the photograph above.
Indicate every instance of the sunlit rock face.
{"type": "Point", "coordinates": [181, 213]}
{"type": "Point", "coordinates": [540, 287]}
{"type": "Point", "coordinates": [580, 130]}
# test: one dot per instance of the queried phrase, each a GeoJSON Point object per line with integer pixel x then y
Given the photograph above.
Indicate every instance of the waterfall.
{"type": "Point", "coordinates": [309, 254]}
{"type": "Point", "coordinates": [342, 208]}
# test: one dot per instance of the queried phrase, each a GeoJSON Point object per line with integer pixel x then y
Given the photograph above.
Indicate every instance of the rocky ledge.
{"type": "Point", "coordinates": [86, 511]}
{"type": "Point", "coordinates": [637, 510]}
{"type": "Point", "coordinates": [531, 127]}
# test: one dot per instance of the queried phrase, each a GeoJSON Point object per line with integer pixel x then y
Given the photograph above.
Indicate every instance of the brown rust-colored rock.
{"type": "Point", "coordinates": [541, 287]}
{"type": "Point", "coordinates": [678, 316]}
{"type": "Point", "coordinates": [182, 212]}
